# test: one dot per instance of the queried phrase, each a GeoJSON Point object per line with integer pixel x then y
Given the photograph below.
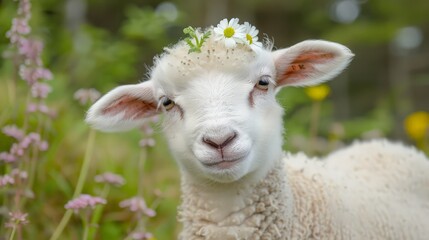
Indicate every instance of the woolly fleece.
{"type": "Point", "coordinates": [371, 190]}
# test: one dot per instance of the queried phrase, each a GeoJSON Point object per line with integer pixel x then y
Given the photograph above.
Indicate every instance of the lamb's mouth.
{"type": "Point", "coordinates": [223, 164]}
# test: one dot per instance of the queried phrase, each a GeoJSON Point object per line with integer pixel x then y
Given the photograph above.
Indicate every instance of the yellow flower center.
{"type": "Point", "coordinates": [229, 32]}
{"type": "Point", "coordinates": [318, 93]}
{"type": "Point", "coordinates": [249, 38]}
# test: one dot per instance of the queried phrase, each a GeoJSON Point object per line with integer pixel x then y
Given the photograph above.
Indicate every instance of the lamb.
{"type": "Point", "coordinates": [224, 127]}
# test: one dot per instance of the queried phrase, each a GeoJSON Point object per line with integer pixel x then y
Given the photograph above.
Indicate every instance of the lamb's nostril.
{"type": "Point", "coordinates": [209, 142]}
{"type": "Point", "coordinates": [229, 139]}
{"type": "Point", "coordinates": [219, 141]}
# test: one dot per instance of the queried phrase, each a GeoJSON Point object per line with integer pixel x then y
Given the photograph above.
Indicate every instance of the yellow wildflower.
{"type": "Point", "coordinates": [416, 125]}
{"type": "Point", "coordinates": [318, 93]}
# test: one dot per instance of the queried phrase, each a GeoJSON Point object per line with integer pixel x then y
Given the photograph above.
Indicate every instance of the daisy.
{"type": "Point", "coordinates": [252, 36]}
{"type": "Point", "coordinates": [231, 32]}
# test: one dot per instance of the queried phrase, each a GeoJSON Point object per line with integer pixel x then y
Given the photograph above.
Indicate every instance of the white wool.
{"type": "Point", "coordinates": [303, 198]}
{"type": "Point", "coordinates": [176, 66]}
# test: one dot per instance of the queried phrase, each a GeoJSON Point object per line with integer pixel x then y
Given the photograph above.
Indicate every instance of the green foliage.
{"type": "Point", "coordinates": [367, 32]}
{"type": "Point", "coordinates": [102, 59]}
{"type": "Point", "coordinates": [199, 39]}
{"type": "Point", "coordinates": [144, 24]}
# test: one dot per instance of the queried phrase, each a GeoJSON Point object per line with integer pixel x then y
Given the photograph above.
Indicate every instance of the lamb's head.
{"type": "Point", "coordinates": [221, 117]}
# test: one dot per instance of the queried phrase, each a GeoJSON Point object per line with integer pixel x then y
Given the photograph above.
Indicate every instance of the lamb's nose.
{"type": "Point", "coordinates": [219, 141]}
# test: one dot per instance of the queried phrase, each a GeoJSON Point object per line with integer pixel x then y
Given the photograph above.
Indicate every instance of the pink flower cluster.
{"type": "Point", "coordinates": [13, 131]}
{"type": "Point", "coordinates": [23, 143]}
{"type": "Point", "coordinates": [140, 235]}
{"type": "Point", "coordinates": [41, 108]}
{"type": "Point", "coordinates": [14, 176]}
{"type": "Point", "coordinates": [87, 96]}
{"type": "Point", "coordinates": [33, 74]}
{"type": "Point", "coordinates": [148, 131]}
{"type": "Point", "coordinates": [84, 201]}
{"type": "Point", "coordinates": [137, 204]}
{"type": "Point", "coordinates": [110, 178]}
{"type": "Point", "coordinates": [6, 180]}
{"type": "Point", "coordinates": [16, 219]}
{"type": "Point", "coordinates": [147, 142]}
{"type": "Point", "coordinates": [29, 49]}
{"type": "Point", "coordinates": [20, 24]}
{"type": "Point", "coordinates": [31, 70]}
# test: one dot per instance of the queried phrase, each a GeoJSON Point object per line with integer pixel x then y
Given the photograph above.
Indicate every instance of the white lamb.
{"type": "Point", "coordinates": [224, 128]}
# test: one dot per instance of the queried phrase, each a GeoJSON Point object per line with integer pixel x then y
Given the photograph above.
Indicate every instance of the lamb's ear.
{"type": "Point", "coordinates": [310, 62]}
{"type": "Point", "coordinates": [123, 108]}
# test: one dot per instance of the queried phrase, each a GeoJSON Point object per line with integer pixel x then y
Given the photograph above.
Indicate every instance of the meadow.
{"type": "Point", "coordinates": [58, 58]}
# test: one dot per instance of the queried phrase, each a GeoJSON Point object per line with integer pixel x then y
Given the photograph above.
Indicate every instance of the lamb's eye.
{"type": "Point", "coordinates": [263, 83]}
{"type": "Point", "coordinates": [167, 103]}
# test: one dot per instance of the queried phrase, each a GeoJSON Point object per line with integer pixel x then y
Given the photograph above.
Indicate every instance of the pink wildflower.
{"type": "Point", "coordinates": [42, 108]}
{"type": "Point", "coordinates": [32, 107]}
{"type": "Point", "coordinates": [31, 75]}
{"type": "Point", "coordinates": [147, 129]}
{"type": "Point", "coordinates": [140, 235]}
{"type": "Point", "coordinates": [6, 180]}
{"type": "Point", "coordinates": [155, 119]}
{"type": "Point", "coordinates": [110, 178]}
{"type": "Point", "coordinates": [137, 204]}
{"type": "Point", "coordinates": [31, 49]}
{"type": "Point", "coordinates": [34, 136]}
{"type": "Point", "coordinates": [84, 201]}
{"type": "Point", "coordinates": [13, 131]}
{"type": "Point", "coordinates": [7, 157]}
{"type": "Point", "coordinates": [17, 219]}
{"type": "Point", "coordinates": [87, 96]}
{"type": "Point", "coordinates": [16, 173]}
{"type": "Point", "coordinates": [17, 149]}
{"type": "Point", "coordinates": [19, 26]}
{"type": "Point", "coordinates": [24, 8]}
{"type": "Point", "coordinates": [40, 90]}
{"type": "Point", "coordinates": [43, 146]}
{"type": "Point", "coordinates": [148, 142]}
{"type": "Point", "coordinates": [25, 142]}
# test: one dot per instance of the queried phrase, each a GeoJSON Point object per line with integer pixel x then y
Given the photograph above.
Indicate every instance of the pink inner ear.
{"type": "Point", "coordinates": [302, 66]}
{"type": "Point", "coordinates": [132, 107]}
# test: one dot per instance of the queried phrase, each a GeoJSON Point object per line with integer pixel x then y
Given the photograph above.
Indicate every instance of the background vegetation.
{"type": "Point", "coordinates": [101, 44]}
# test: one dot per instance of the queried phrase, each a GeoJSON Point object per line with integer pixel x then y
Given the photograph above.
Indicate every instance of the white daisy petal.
{"type": "Point", "coordinates": [223, 23]}
{"type": "Point", "coordinates": [233, 33]}
{"type": "Point", "coordinates": [254, 31]}
{"type": "Point", "coordinates": [218, 31]}
{"type": "Point", "coordinates": [234, 22]}
{"type": "Point", "coordinates": [230, 43]}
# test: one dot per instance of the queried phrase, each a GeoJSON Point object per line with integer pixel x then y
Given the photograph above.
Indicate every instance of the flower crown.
{"type": "Point", "coordinates": [231, 32]}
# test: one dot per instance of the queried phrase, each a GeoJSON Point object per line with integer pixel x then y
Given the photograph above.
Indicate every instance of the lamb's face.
{"type": "Point", "coordinates": [221, 117]}
{"type": "Point", "coordinates": [222, 124]}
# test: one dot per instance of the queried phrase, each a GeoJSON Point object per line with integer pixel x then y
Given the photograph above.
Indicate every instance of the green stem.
{"type": "Point", "coordinates": [85, 222]}
{"type": "Point", "coordinates": [12, 234]}
{"type": "Point", "coordinates": [62, 225]}
{"type": "Point", "coordinates": [34, 157]}
{"type": "Point", "coordinates": [142, 162]}
{"type": "Point", "coordinates": [86, 162]}
{"type": "Point", "coordinates": [93, 226]}
{"type": "Point", "coordinates": [314, 126]}
{"type": "Point", "coordinates": [78, 190]}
